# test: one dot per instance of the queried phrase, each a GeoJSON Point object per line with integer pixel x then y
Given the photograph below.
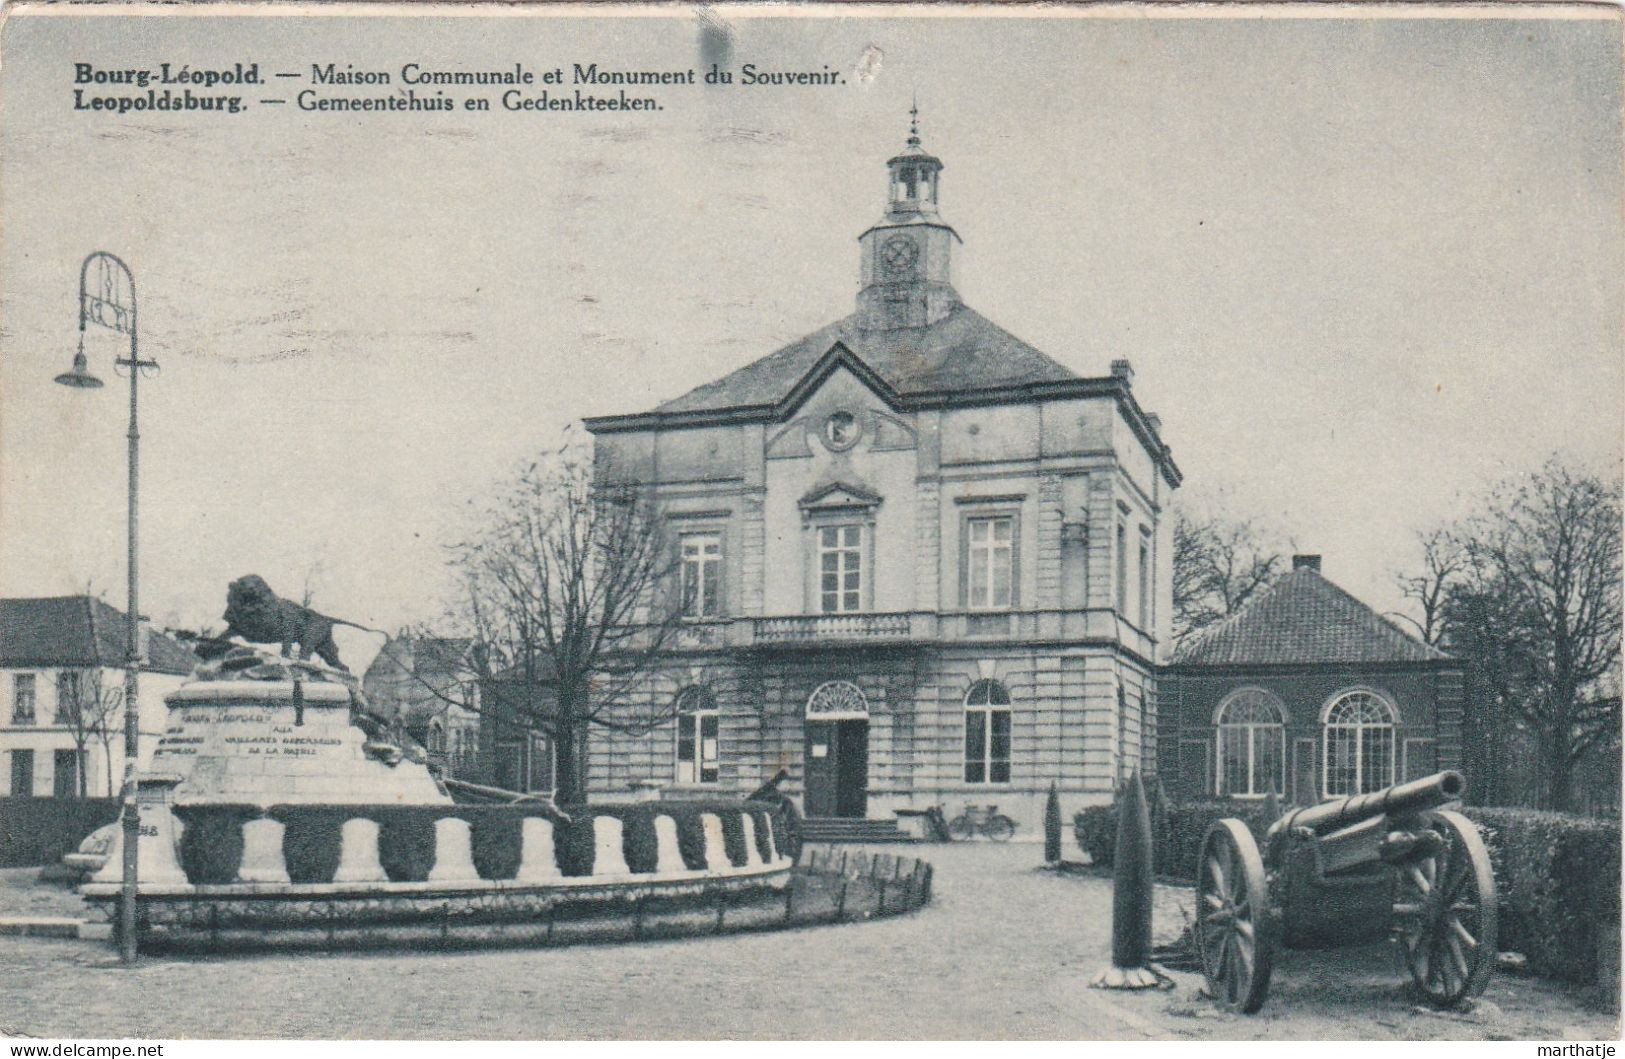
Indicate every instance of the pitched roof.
{"type": "Point", "coordinates": [1303, 619]}
{"type": "Point", "coordinates": [78, 631]}
{"type": "Point", "coordinates": [962, 351]}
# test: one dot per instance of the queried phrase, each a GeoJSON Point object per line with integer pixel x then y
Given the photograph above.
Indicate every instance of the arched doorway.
{"type": "Point", "coordinates": [837, 762]}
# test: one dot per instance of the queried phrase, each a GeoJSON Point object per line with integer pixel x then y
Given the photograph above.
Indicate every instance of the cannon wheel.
{"type": "Point", "coordinates": [1445, 913]}
{"type": "Point", "coordinates": [1235, 933]}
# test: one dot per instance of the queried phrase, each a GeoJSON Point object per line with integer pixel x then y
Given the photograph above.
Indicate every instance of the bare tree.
{"type": "Point", "coordinates": [1540, 610]}
{"type": "Point", "coordinates": [1444, 564]}
{"type": "Point", "coordinates": [1219, 564]}
{"type": "Point", "coordinates": [569, 595]}
{"type": "Point", "coordinates": [91, 711]}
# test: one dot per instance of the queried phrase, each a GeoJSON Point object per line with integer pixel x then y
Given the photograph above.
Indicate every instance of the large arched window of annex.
{"type": "Point", "coordinates": [1251, 744]}
{"type": "Point", "coordinates": [1359, 742]}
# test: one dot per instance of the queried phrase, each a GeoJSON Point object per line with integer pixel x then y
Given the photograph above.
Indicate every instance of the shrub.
{"type": "Point", "coordinates": [497, 840]}
{"type": "Point", "coordinates": [1177, 831]}
{"type": "Point", "coordinates": [212, 842]}
{"type": "Point", "coordinates": [691, 840]}
{"type": "Point", "coordinates": [733, 834]}
{"type": "Point", "coordinates": [762, 826]}
{"type": "Point", "coordinates": [1558, 879]}
{"type": "Point", "coordinates": [574, 842]}
{"type": "Point", "coordinates": [406, 840]}
{"type": "Point", "coordinates": [312, 840]}
{"type": "Point", "coordinates": [1052, 827]}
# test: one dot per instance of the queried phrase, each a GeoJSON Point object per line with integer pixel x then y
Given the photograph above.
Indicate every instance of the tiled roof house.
{"type": "Point", "coordinates": [1309, 691]}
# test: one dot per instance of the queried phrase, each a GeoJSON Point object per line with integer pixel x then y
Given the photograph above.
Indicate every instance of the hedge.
{"type": "Point", "coordinates": [1557, 876]}
{"type": "Point", "coordinates": [1558, 880]}
{"type": "Point", "coordinates": [312, 838]}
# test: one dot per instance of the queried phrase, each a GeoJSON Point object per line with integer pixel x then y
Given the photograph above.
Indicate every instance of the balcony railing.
{"type": "Point", "coordinates": [832, 627]}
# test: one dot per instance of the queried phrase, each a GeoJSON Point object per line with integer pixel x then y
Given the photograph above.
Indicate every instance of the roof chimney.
{"type": "Point", "coordinates": [1122, 369]}
{"type": "Point", "coordinates": [1156, 422]}
{"type": "Point", "coordinates": [1306, 562]}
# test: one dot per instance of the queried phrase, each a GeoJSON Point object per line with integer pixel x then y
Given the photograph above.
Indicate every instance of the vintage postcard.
{"type": "Point", "coordinates": [816, 522]}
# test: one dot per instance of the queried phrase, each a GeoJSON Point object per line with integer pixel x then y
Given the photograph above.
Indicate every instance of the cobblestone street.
{"type": "Point", "coordinates": [1005, 951]}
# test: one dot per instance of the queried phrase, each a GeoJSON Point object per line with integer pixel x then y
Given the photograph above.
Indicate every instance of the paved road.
{"type": "Point", "coordinates": [1004, 952]}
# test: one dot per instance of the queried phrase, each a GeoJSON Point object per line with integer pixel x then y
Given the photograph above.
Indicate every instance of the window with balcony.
{"type": "Point", "coordinates": [697, 737]}
{"type": "Point", "coordinates": [701, 555]}
{"type": "Point", "coordinates": [987, 733]}
{"type": "Point", "coordinates": [840, 568]}
{"type": "Point", "coordinates": [990, 562]}
{"type": "Point", "coordinates": [22, 699]}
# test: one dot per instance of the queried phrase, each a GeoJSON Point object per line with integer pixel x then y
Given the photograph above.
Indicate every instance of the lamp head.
{"type": "Point", "coordinates": [80, 377]}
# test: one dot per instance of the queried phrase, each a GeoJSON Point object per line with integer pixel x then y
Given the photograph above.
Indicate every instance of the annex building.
{"type": "Point", "coordinates": [923, 561]}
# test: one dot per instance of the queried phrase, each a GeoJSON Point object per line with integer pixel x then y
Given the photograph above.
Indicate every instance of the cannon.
{"type": "Point", "coordinates": [1398, 862]}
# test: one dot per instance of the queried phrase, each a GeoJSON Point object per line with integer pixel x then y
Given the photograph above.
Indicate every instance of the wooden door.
{"type": "Point", "coordinates": [852, 769]}
{"type": "Point", "coordinates": [822, 748]}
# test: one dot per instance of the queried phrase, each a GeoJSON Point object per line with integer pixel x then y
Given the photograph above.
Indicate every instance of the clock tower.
{"type": "Point", "coordinates": [907, 256]}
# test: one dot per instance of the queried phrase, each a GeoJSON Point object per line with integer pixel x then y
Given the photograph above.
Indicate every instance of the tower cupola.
{"type": "Point", "coordinates": [907, 260]}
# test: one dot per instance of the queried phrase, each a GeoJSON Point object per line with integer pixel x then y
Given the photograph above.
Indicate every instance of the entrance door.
{"type": "Point", "coordinates": [837, 768]}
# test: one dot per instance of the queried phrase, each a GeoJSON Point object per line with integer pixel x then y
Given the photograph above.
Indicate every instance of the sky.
{"type": "Point", "coordinates": [1362, 268]}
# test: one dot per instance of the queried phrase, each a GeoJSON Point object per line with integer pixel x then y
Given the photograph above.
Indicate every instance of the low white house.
{"type": "Point", "coordinates": [62, 682]}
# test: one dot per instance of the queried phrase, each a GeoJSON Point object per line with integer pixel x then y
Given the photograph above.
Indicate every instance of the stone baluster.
{"type": "Point", "coordinates": [453, 851]}
{"type": "Point", "coordinates": [716, 851]}
{"type": "Point", "coordinates": [262, 853]}
{"type": "Point", "coordinates": [669, 855]}
{"type": "Point", "coordinates": [537, 860]}
{"type": "Point", "coordinates": [358, 853]}
{"type": "Point", "coordinates": [609, 858]}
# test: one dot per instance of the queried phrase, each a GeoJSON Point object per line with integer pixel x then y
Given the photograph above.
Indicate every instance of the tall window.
{"type": "Point", "coordinates": [1359, 744]}
{"type": "Point", "coordinates": [539, 764]}
{"type": "Point", "coordinates": [840, 571]}
{"type": "Point", "coordinates": [990, 553]}
{"type": "Point", "coordinates": [437, 739]}
{"type": "Point", "coordinates": [702, 574]}
{"type": "Point", "coordinates": [697, 756]}
{"type": "Point", "coordinates": [1122, 569]}
{"type": "Point", "coordinates": [22, 699]}
{"type": "Point", "coordinates": [987, 733]}
{"type": "Point", "coordinates": [1145, 581]}
{"type": "Point", "coordinates": [67, 696]}
{"type": "Point", "coordinates": [1252, 743]}
{"type": "Point", "coordinates": [22, 772]}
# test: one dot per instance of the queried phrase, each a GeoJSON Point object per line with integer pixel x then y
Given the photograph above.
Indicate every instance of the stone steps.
{"type": "Point", "coordinates": [832, 829]}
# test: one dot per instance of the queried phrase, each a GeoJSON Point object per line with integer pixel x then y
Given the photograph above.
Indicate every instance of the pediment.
{"type": "Point", "coordinates": [838, 495]}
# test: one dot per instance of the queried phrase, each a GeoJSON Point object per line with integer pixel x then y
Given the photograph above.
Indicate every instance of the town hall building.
{"type": "Point", "coordinates": [923, 562]}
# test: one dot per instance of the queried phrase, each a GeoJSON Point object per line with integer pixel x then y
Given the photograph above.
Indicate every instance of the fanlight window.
{"type": "Point", "coordinates": [1359, 744]}
{"type": "Point", "coordinates": [837, 700]}
{"type": "Point", "coordinates": [987, 733]}
{"type": "Point", "coordinates": [1252, 744]}
{"type": "Point", "coordinates": [698, 731]}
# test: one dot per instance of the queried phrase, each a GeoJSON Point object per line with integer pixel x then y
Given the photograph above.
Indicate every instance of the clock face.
{"type": "Point", "coordinates": [898, 254]}
{"type": "Point", "coordinates": [841, 430]}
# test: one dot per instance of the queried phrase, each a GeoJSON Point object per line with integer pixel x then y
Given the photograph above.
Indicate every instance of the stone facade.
{"type": "Point", "coordinates": [908, 505]}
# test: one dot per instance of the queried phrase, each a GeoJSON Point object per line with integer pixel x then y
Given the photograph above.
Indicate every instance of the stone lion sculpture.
{"type": "Point", "coordinates": [259, 615]}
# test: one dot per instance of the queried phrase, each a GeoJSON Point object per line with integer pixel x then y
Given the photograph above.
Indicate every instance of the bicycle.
{"type": "Point", "coordinates": [989, 821]}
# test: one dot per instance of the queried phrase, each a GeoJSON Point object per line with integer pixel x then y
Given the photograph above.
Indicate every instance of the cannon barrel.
{"type": "Point", "coordinates": [1412, 797]}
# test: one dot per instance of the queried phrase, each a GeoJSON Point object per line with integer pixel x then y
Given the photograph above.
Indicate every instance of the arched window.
{"type": "Point", "coordinates": [987, 733]}
{"type": "Point", "coordinates": [437, 738]}
{"type": "Point", "coordinates": [1359, 749]}
{"type": "Point", "coordinates": [1252, 743]}
{"type": "Point", "coordinates": [697, 727]}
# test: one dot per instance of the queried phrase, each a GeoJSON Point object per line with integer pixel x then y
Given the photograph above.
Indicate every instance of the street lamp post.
{"type": "Point", "coordinates": [111, 304]}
